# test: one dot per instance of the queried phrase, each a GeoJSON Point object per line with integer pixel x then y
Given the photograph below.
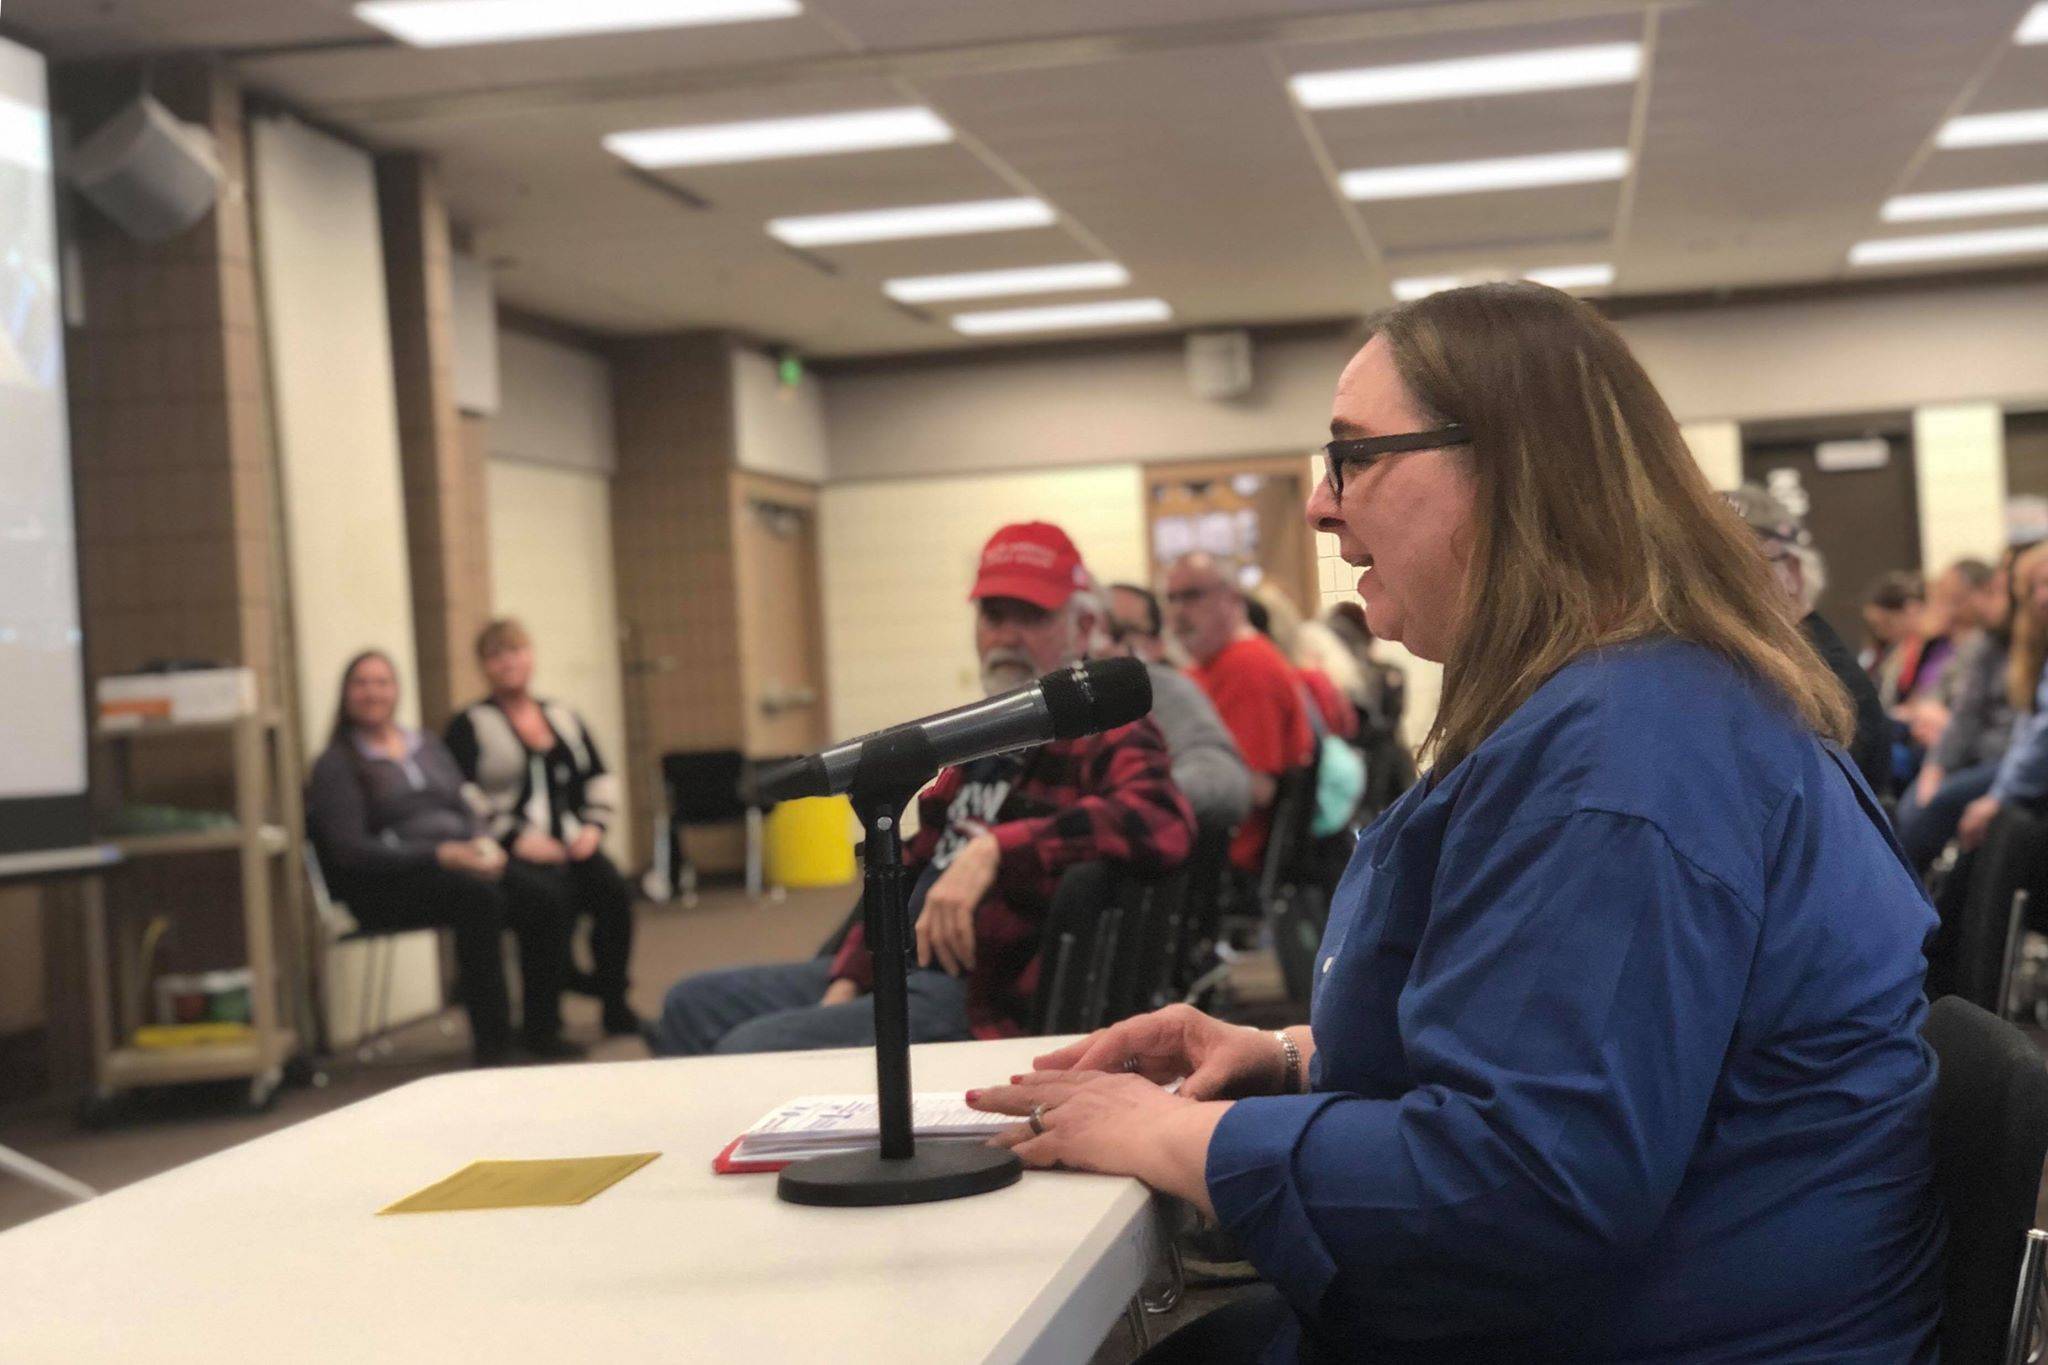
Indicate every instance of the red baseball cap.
{"type": "Point", "coordinates": [1032, 561]}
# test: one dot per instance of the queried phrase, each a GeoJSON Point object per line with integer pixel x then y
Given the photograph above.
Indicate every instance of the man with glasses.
{"type": "Point", "coordinates": [1787, 546]}
{"type": "Point", "coordinates": [1206, 765]}
{"type": "Point", "coordinates": [1250, 682]}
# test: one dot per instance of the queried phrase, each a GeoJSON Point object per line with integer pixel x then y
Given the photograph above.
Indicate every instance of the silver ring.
{"type": "Point", "coordinates": [1130, 1064]}
{"type": "Point", "coordinates": [1038, 1120]}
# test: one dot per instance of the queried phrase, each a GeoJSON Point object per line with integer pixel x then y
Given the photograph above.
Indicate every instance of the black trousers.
{"type": "Point", "coordinates": [592, 887]}
{"type": "Point", "coordinates": [479, 912]}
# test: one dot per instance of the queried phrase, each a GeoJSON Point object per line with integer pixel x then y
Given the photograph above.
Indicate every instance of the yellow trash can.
{"type": "Point", "coordinates": [810, 842]}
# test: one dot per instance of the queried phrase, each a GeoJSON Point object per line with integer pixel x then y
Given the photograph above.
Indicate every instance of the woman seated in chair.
{"type": "Point", "coordinates": [550, 799]}
{"type": "Point", "coordinates": [2022, 775]}
{"type": "Point", "coordinates": [403, 848]}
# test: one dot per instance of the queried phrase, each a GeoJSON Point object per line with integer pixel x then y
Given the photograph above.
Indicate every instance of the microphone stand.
{"type": "Point", "coordinates": [893, 768]}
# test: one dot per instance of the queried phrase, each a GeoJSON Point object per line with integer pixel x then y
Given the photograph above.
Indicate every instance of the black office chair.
{"type": "Point", "coordinates": [1076, 946]}
{"type": "Point", "coordinates": [1199, 921]}
{"type": "Point", "coordinates": [1975, 952]}
{"type": "Point", "coordinates": [1990, 1136]}
{"type": "Point", "coordinates": [1294, 897]}
{"type": "Point", "coordinates": [706, 787]}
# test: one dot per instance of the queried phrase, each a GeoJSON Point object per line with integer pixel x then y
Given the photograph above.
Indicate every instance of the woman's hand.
{"type": "Point", "coordinates": [534, 847]}
{"type": "Point", "coordinates": [1110, 1124]}
{"type": "Point", "coordinates": [585, 845]}
{"type": "Point", "coordinates": [1925, 720]}
{"type": "Point", "coordinates": [841, 992]}
{"type": "Point", "coordinates": [1218, 1060]}
{"type": "Point", "coordinates": [479, 858]}
{"type": "Point", "coordinates": [945, 927]}
{"type": "Point", "coordinates": [1927, 783]}
{"type": "Point", "coordinates": [1976, 822]}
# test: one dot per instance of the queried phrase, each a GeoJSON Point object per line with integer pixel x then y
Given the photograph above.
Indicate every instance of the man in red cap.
{"type": "Point", "coordinates": [993, 838]}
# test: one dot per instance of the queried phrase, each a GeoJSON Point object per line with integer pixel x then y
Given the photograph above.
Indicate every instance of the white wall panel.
{"type": "Point", "coordinates": [551, 566]}
{"type": "Point", "coordinates": [1959, 464]}
{"type": "Point", "coordinates": [321, 264]}
{"type": "Point", "coordinates": [554, 405]}
{"type": "Point", "coordinates": [778, 428]}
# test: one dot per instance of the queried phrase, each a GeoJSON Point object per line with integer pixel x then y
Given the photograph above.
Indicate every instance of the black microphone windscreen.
{"type": "Point", "coordinates": [1097, 695]}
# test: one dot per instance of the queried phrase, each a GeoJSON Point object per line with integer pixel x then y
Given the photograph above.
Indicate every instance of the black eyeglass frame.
{"type": "Point", "coordinates": [1367, 449]}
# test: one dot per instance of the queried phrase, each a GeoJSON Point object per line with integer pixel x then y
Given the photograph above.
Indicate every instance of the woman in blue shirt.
{"type": "Point", "coordinates": [1614, 1053]}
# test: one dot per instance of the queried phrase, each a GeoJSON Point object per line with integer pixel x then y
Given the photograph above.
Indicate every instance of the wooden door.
{"type": "Point", "coordinates": [775, 531]}
{"type": "Point", "coordinates": [1865, 522]}
{"type": "Point", "coordinates": [1249, 509]}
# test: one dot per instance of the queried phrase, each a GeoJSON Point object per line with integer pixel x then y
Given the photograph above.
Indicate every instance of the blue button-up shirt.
{"type": "Point", "coordinates": [1618, 1053]}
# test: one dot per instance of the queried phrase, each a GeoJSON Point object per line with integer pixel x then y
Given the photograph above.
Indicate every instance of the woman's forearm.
{"type": "Point", "coordinates": [1176, 1160]}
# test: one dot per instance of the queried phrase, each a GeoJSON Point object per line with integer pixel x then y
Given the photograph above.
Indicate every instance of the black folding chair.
{"type": "Point", "coordinates": [1982, 911]}
{"type": "Point", "coordinates": [706, 787]}
{"type": "Point", "coordinates": [1990, 1136]}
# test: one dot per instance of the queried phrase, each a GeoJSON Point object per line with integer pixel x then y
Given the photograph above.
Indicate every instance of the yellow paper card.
{"type": "Point", "coordinates": [523, 1184]}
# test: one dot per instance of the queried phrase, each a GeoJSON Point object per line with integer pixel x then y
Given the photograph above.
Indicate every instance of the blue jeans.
{"type": "Point", "coordinates": [775, 1009]}
{"type": "Point", "coordinates": [1924, 830]}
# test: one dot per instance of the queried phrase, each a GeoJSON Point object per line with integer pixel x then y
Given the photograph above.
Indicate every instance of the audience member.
{"type": "Point", "coordinates": [1801, 575]}
{"type": "Point", "coordinates": [403, 847]}
{"type": "Point", "coordinates": [2022, 774]}
{"type": "Point", "coordinates": [1253, 686]}
{"type": "Point", "coordinates": [1892, 618]}
{"type": "Point", "coordinates": [1385, 685]}
{"type": "Point", "coordinates": [1963, 758]}
{"type": "Point", "coordinates": [1273, 614]}
{"type": "Point", "coordinates": [1206, 765]}
{"type": "Point", "coordinates": [993, 838]}
{"type": "Point", "coordinates": [551, 799]}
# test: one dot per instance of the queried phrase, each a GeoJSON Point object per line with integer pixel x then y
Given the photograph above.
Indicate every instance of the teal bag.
{"type": "Point", "coordinates": [1340, 785]}
{"type": "Point", "coordinates": [1340, 775]}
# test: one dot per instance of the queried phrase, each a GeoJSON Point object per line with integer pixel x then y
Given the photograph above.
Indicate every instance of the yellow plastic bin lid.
{"type": "Point", "coordinates": [810, 842]}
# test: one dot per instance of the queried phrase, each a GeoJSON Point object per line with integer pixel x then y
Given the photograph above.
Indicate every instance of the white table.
{"type": "Point", "coordinates": [272, 1250]}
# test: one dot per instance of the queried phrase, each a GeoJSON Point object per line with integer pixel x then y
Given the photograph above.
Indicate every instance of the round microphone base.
{"type": "Point", "coordinates": [934, 1171]}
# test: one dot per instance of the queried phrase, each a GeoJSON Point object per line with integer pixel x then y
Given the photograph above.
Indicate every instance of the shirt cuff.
{"type": "Point", "coordinates": [1021, 846]}
{"type": "Point", "coordinates": [1250, 1175]}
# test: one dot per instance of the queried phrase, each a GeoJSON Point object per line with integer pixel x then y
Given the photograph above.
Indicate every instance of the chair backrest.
{"type": "Point", "coordinates": [1288, 843]}
{"type": "Point", "coordinates": [1201, 912]}
{"type": "Point", "coordinates": [704, 786]}
{"type": "Point", "coordinates": [2012, 858]}
{"type": "Point", "coordinates": [1990, 1136]}
{"type": "Point", "coordinates": [1073, 947]}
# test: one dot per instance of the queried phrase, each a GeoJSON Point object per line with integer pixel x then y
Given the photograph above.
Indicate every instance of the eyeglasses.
{"type": "Point", "coordinates": [1182, 597]}
{"type": "Point", "coordinates": [1367, 450]}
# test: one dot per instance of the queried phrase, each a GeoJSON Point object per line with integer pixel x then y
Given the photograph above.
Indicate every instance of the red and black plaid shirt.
{"type": "Point", "coordinates": [1107, 797]}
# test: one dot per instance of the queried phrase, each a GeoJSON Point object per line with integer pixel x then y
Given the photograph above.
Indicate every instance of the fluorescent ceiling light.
{"type": "Point", "coordinates": [1115, 313]}
{"type": "Point", "coordinates": [1918, 208]}
{"type": "Point", "coordinates": [983, 284]}
{"type": "Point", "coordinates": [450, 23]}
{"type": "Point", "coordinates": [1415, 287]}
{"type": "Point", "coordinates": [1473, 177]}
{"type": "Point", "coordinates": [718, 144]}
{"type": "Point", "coordinates": [1412, 287]}
{"type": "Point", "coordinates": [1573, 276]}
{"type": "Point", "coordinates": [927, 220]}
{"type": "Point", "coordinates": [1994, 130]}
{"type": "Point", "coordinates": [1560, 68]}
{"type": "Point", "coordinates": [1948, 246]}
{"type": "Point", "coordinates": [2034, 28]}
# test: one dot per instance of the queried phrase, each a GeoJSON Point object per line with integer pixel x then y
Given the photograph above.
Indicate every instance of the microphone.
{"type": "Point", "coordinates": [1082, 699]}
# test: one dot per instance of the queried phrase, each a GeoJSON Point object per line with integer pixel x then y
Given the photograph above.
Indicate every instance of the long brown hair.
{"type": "Point", "coordinates": [342, 724]}
{"type": "Point", "coordinates": [1591, 522]}
{"type": "Point", "coordinates": [2029, 632]}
